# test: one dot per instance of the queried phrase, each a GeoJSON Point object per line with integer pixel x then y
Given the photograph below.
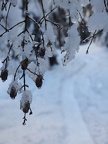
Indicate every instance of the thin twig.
{"type": "Point", "coordinates": [7, 30]}
{"type": "Point", "coordinates": [3, 27]}
{"type": "Point", "coordinates": [8, 14]}
{"type": "Point", "coordinates": [4, 5]}
{"type": "Point", "coordinates": [32, 72]}
{"type": "Point", "coordinates": [50, 11]}
{"type": "Point", "coordinates": [16, 72]}
{"type": "Point", "coordinates": [90, 42]}
{"type": "Point", "coordinates": [34, 21]}
{"type": "Point", "coordinates": [16, 25]}
{"type": "Point", "coordinates": [20, 33]}
{"type": "Point", "coordinates": [42, 19]}
{"type": "Point", "coordinates": [8, 54]}
{"type": "Point", "coordinates": [24, 121]}
{"type": "Point", "coordinates": [30, 35]}
{"type": "Point", "coordinates": [43, 39]}
{"type": "Point", "coordinates": [24, 80]}
{"type": "Point", "coordinates": [80, 15]}
{"type": "Point", "coordinates": [94, 35]}
{"type": "Point", "coordinates": [54, 23]}
{"type": "Point", "coordinates": [106, 5]}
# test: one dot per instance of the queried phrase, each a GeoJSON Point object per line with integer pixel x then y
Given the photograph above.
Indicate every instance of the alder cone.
{"type": "Point", "coordinates": [4, 74]}
{"type": "Point", "coordinates": [24, 64]}
{"type": "Point", "coordinates": [39, 81]}
{"type": "Point", "coordinates": [26, 107]}
{"type": "Point", "coordinates": [13, 92]}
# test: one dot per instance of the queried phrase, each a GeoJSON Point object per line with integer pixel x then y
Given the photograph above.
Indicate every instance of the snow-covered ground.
{"type": "Point", "coordinates": [70, 108]}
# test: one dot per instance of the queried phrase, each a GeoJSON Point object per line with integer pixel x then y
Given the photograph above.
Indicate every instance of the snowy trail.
{"type": "Point", "coordinates": [91, 93]}
{"type": "Point", "coordinates": [77, 132]}
{"type": "Point", "coordinates": [71, 107]}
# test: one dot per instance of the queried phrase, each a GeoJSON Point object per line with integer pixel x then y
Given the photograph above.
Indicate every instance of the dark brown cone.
{"type": "Point", "coordinates": [24, 64]}
{"type": "Point", "coordinates": [4, 74]}
{"type": "Point", "coordinates": [26, 107]}
{"type": "Point", "coordinates": [39, 81]}
{"type": "Point", "coordinates": [13, 92]}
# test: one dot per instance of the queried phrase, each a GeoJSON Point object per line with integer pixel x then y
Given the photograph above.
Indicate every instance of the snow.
{"type": "Point", "coordinates": [98, 21]}
{"type": "Point", "coordinates": [70, 108]}
{"type": "Point", "coordinates": [72, 45]}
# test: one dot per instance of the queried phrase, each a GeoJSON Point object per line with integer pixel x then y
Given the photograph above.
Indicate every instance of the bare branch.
{"type": "Point", "coordinates": [8, 14]}
{"type": "Point", "coordinates": [42, 19]}
{"type": "Point", "coordinates": [7, 30]}
{"type": "Point", "coordinates": [90, 42]}
{"type": "Point", "coordinates": [16, 72]}
{"type": "Point", "coordinates": [94, 35]}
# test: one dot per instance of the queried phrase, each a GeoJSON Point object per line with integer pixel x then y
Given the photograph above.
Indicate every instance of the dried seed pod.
{"type": "Point", "coordinates": [24, 64]}
{"type": "Point", "coordinates": [4, 74]}
{"type": "Point", "coordinates": [39, 81]}
{"type": "Point", "coordinates": [26, 107]}
{"type": "Point", "coordinates": [13, 92]}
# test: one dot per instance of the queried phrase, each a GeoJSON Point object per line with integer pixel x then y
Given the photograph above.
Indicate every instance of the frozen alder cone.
{"type": "Point", "coordinates": [4, 74]}
{"type": "Point", "coordinates": [39, 81]}
{"type": "Point", "coordinates": [26, 107]}
{"type": "Point", "coordinates": [13, 92]}
{"type": "Point", "coordinates": [24, 64]}
{"type": "Point", "coordinates": [13, 89]}
{"type": "Point", "coordinates": [25, 104]}
{"type": "Point", "coordinates": [26, 101]}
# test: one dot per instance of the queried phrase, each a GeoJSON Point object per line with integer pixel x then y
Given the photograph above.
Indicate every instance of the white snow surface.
{"type": "Point", "coordinates": [70, 108]}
